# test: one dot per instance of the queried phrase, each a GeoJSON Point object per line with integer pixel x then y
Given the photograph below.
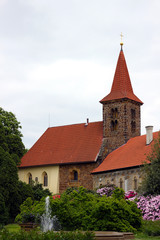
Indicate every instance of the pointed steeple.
{"type": "Point", "coordinates": [121, 86]}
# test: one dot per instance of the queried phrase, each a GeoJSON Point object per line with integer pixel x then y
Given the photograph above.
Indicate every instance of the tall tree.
{"type": "Point", "coordinates": [151, 182]}
{"type": "Point", "coordinates": [11, 151]}
{"type": "Point", "coordinates": [9, 184]}
{"type": "Point", "coordinates": [10, 135]}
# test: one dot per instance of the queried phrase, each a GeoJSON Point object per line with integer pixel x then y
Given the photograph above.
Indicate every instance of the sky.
{"type": "Point", "coordinates": [58, 58]}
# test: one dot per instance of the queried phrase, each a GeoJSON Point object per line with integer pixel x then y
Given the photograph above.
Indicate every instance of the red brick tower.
{"type": "Point", "coordinates": [121, 110]}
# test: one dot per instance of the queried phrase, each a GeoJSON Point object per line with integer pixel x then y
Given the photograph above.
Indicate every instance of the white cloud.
{"type": "Point", "coordinates": [59, 58]}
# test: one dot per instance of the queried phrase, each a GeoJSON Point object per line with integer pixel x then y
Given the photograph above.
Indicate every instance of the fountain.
{"type": "Point", "coordinates": [49, 223]}
{"type": "Point", "coordinates": [46, 219]}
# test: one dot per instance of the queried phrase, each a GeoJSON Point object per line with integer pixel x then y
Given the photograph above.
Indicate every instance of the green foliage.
{"type": "Point", "coordinates": [83, 210]}
{"type": "Point", "coordinates": [3, 211]}
{"type": "Point", "coordinates": [25, 190]}
{"type": "Point", "coordinates": [11, 150]}
{"type": "Point", "coordinates": [87, 211]}
{"type": "Point", "coordinates": [21, 235]}
{"type": "Point", "coordinates": [150, 184]}
{"type": "Point", "coordinates": [9, 184]}
{"type": "Point", "coordinates": [27, 213]}
{"type": "Point", "coordinates": [151, 228]}
{"type": "Point", "coordinates": [39, 192]}
{"type": "Point", "coordinates": [118, 193]}
{"type": "Point", "coordinates": [10, 135]}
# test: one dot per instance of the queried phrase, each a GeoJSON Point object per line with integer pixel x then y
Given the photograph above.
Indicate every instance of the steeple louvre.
{"type": "Point", "coordinates": [121, 87]}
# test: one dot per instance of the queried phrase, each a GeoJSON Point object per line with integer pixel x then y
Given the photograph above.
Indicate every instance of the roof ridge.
{"type": "Point", "coordinates": [73, 124]}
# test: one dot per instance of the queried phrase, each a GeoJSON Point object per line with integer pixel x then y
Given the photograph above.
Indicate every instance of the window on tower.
{"type": "Point", "coordinates": [133, 113]}
{"type": "Point", "coordinates": [133, 126]}
{"type": "Point", "coordinates": [114, 122]}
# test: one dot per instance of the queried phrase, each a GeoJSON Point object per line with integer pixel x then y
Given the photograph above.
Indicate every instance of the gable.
{"type": "Point", "coordinates": [78, 143]}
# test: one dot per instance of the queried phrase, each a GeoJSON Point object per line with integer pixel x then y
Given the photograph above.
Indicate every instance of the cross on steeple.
{"type": "Point", "coordinates": [121, 43]}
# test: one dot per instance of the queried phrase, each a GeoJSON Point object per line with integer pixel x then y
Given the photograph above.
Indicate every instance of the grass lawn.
{"type": "Point", "coordinates": [13, 227]}
{"type": "Point", "coordinates": [141, 236]}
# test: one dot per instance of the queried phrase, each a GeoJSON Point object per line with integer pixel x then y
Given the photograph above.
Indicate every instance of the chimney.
{"type": "Point", "coordinates": [86, 124]}
{"type": "Point", "coordinates": [149, 134]}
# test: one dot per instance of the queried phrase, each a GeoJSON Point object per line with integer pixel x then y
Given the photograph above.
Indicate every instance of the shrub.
{"type": "Point", "coordinates": [151, 228]}
{"type": "Point", "coordinates": [106, 190]}
{"type": "Point", "coordinates": [150, 207]}
{"type": "Point", "coordinates": [130, 194]}
{"type": "Point", "coordinates": [83, 210]}
{"type": "Point", "coordinates": [48, 235]}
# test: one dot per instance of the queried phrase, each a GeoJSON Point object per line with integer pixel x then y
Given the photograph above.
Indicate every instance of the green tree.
{"type": "Point", "coordinates": [151, 171]}
{"type": "Point", "coordinates": [39, 192]}
{"type": "Point", "coordinates": [11, 136]}
{"type": "Point", "coordinates": [11, 151]}
{"type": "Point", "coordinates": [9, 183]}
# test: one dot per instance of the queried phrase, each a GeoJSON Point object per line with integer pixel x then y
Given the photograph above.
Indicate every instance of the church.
{"type": "Point", "coordinates": [94, 153]}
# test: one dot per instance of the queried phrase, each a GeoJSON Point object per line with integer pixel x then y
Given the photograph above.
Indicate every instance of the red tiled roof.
{"type": "Point", "coordinates": [121, 87]}
{"type": "Point", "coordinates": [66, 144]}
{"type": "Point", "coordinates": [131, 154]}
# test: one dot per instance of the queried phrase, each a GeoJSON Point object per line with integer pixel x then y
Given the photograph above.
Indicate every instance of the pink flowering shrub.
{"type": "Point", "coordinates": [150, 207]}
{"type": "Point", "coordinates": [106, 190]}
{"type": "Point", "coordinates": [130, 194]}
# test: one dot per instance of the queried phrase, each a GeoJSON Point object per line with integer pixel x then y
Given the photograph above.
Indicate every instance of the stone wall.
{"type": "Point", "coordinates": [85, 178]}
{"type": "Point", "coordinates": [121, 121]}
{"type": "Point", "coordinates": [128, 179]}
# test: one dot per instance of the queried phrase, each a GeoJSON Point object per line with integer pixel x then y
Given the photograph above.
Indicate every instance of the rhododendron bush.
{"type": "Point", "coordinates": [150, 205]}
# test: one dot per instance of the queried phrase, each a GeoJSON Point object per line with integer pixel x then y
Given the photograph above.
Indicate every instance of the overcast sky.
{"type": "Point", "coordinates": [58, 58]}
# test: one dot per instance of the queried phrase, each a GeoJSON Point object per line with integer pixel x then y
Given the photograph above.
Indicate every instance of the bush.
{"type": "Point", "coordinates": [151, 228]}
{"type": "Point", "coordinates": [106, 190]}
{"type": "Point", "coordinates": [84, 210]}
{"type": "Point", "coordinates": [87, 211]}
{"type": "Point", "coordinates": [150, 207]}
{"type": "Point", "coordinates": [48, 235]}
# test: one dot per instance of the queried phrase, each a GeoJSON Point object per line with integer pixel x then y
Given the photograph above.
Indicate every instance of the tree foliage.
{"type": "Point", "coordinates": [11, 150]}
{"type": "Point", "coordinates": [150, 184]}
{"type": "Point", "coordinates": [10, 135]}
{"type": "Point", "coordinates": [9, 183]}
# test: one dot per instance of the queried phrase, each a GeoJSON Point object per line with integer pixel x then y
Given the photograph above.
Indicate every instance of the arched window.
{"type": "Point", "coordinates": [121, 183]}
{"type": "Point", "coordinates": [75, 175]}
{"type": "Point", "coordinates": [112, 113]}
{"type": "Point", "coordinates": [135, 183]}
{"type": "Point", "coordinates": [114, 122]}
{"type": "Point", "coordinates": [115, 125]}
{"type": "Point", "coordinates": [29, 178]}
{"type": "Point", "coordinates": [45, 179]}
{"type": "Point", "coordinates": [133, 126]}
{"type": "Point", "coordinates": [112, 125]}
{"type": "Point", "coordinates": [116, 113]}
{"type": "Point", "coordinates": [133, 113]}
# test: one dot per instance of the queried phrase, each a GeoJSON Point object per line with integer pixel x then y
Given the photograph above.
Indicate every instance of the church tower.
{"type": "Point", "coordinates": [121, 110]}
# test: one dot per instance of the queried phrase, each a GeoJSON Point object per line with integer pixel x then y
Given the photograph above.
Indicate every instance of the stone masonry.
{"type": "Point", "coordinates": [121, 121]}
{"type": "Point", "coordinates": [85, 178]}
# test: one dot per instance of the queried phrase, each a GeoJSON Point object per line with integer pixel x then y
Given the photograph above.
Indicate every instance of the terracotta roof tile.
{"type": "Point", "coordinates": [66, 144]}
{"type": "Point", "coordinates": [131, 154]}
{"type": "Point", "coordinates": [121, 87]}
